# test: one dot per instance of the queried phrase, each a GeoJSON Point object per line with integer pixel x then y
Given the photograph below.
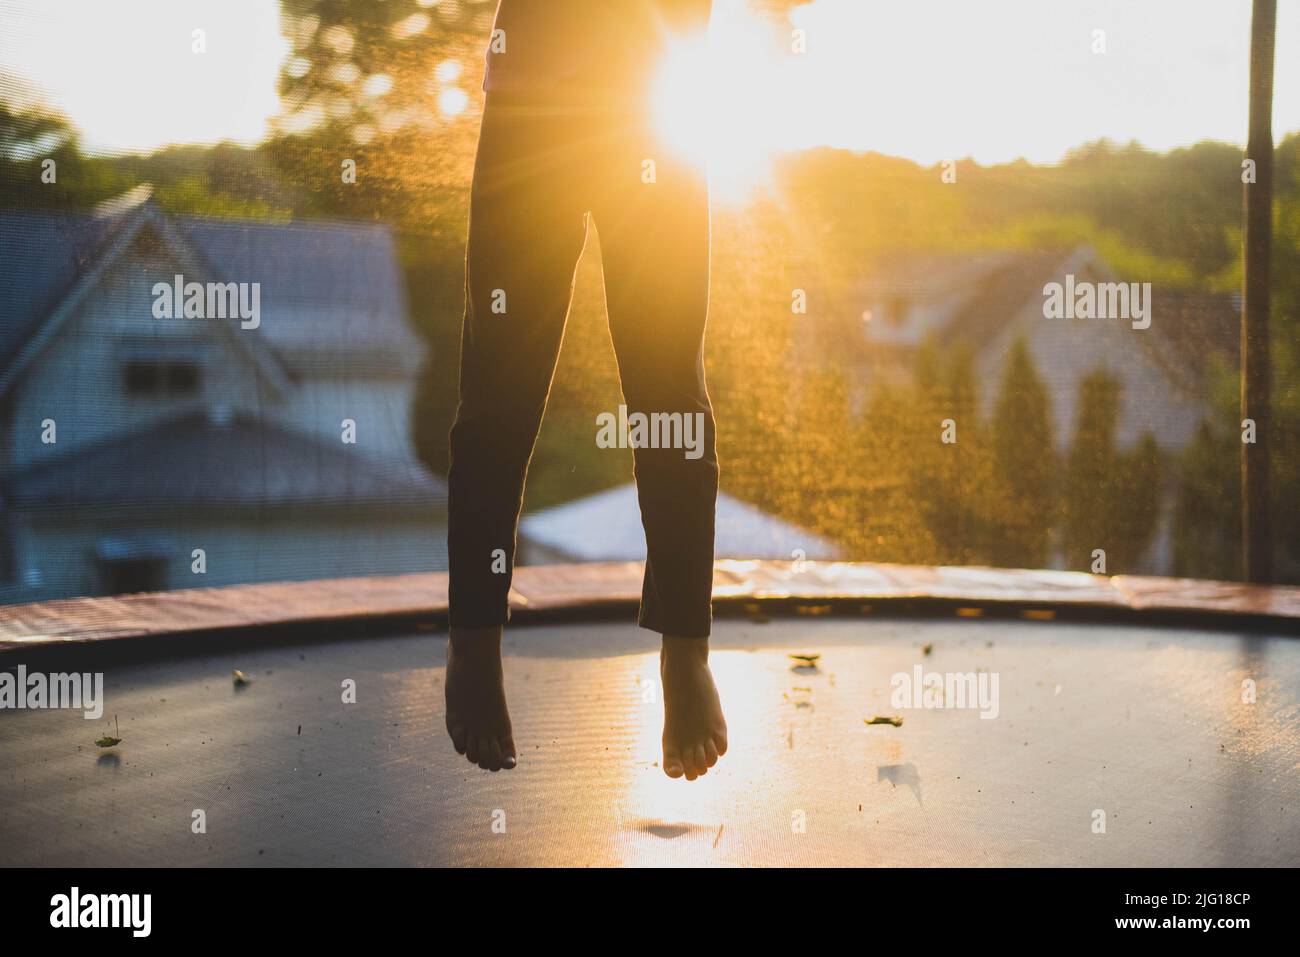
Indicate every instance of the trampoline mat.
{"type": "Point", "coordinates": [1146, 725]}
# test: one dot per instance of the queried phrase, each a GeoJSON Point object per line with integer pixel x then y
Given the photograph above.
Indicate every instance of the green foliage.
{"type": "Point", "coordinates": [1111, 498]}
{"type": "Point", "coordinates": [370, 63]}
{"type": "Point", "coordinates": [367, 81]}
{"type": "Point", "coordinates": [1091, 470]}
{"type": "Point", "coordinates": [947, 480]}
{"type": "Point", "coordinates": [1060, 231]}
{"type": "Point", "coordinates": [110, 740]}
{"type": "Point", "coordinates": [1023, 490]}
{"type": "Point", "coordinates": [191, 196]}
{"type": "Point", "coordinates": [29, 132]}
{"type": "Point", "coordinates": [1207, 517]}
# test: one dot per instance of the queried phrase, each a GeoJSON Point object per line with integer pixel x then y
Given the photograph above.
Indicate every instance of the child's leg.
{"type": "Point", "coordinates": [655, 244]}
{"type": "Point", "coordinates": [527, 228]}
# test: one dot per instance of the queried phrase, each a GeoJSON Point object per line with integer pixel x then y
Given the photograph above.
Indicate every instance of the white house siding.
{"type": "Point", "coordinates": [77, 379]}
{"type": "Point", "coordinates": [381, 408]}
{"type": "Point", "coordinates": [56, 551]}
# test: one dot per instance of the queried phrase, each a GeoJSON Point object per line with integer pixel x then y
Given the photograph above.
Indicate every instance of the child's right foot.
{"type": "Point", "coordinates": [477, 717]}
{"type": "Point", "coordinates": [695, 732]}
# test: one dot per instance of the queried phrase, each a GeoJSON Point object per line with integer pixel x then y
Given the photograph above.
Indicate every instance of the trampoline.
{"type": "Point", "coordinates": [1119, 696]}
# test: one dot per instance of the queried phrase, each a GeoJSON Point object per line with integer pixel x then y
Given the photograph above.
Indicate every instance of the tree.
{"type": "Point", "coordinates": [1111, 499]}
{"type": "Point", "coordinates": [949, 469]}
{"type": "Point", "coordinates": [1207, 519]}
{"type": "Point", "coordinates": [1023, 493]}
{"type": "Point", "coordinates": [394, 85]}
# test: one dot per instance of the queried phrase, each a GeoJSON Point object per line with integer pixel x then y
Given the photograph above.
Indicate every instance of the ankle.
{"type": "Point", "coordinates": [684, 649]}
{"type": "Point", "coordinates": [476, 639]}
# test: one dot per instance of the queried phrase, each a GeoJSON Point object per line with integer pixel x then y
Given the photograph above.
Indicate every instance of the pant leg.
{"type": "Point", "coordinates": [527, 227]}
{"type": "Point", "coordinates": [655, 244]}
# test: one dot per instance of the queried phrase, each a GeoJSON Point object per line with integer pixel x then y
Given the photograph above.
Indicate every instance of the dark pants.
{"type": "Point", "coordinates": [543, 169]}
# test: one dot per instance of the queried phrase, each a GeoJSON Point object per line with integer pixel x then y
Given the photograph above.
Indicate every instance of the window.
{"type": "Point", "coordinates": [161, 378]}
{"type": "Point", "coordinates": [896, 312]}
{"type": "Point", "coordinates": [134, 560]}
{"type": "Point", "coordinates": [130, 575]}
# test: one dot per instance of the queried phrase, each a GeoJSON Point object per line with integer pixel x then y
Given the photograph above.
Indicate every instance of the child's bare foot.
{"type": "Point", "coordinates": [477, 718]}
{"type": "Point", "coordinates": [695, 732]}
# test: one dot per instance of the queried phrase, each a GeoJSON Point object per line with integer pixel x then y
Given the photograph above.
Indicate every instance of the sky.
{"type": "Point", "coordinates": [124, 71]}
{"type": "Point", "coordinates": [923, 79]}
{"type": "Point", "coordinates": [938, 79]}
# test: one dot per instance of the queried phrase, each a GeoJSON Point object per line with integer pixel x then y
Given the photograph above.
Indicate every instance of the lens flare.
{"type": "Point", "coordinates": [718, 100]}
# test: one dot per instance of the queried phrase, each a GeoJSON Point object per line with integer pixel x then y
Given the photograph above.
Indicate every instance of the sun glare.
{"type": "Point", "coordinates": [866, 76]}
{"type": "Point", "coordinates": [718, 101]}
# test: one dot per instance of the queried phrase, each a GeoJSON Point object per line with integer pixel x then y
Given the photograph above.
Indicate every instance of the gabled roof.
{"type": "Point", "coordinates": [332, 294]}
{"type": "Point", "coordinates": [607, 527]}
{"type": "Point", "coordinates": [921, 275]}
{"type": "Point", "coordinates": [116, 224]}
{"type": "Point", "coordinates": [1188, 329]}
{"type": "Point", "coordinates": [953, 295]}
{"type": "Point", "coordinates": [998, 295]}
{"type": "Point", "coordinates": [992, 288]}
{"type": "Point", "coordinates": [193, 461]}
{"type": "Point", "coordinates": [41, 256]}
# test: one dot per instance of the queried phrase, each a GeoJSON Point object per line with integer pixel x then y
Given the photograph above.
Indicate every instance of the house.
{"type": "Point", "coordinates": [989, 300]}
{"type": "Point", "coordinates": [149, 444]}
{"type": "Point", "coordinates": [606, 526]}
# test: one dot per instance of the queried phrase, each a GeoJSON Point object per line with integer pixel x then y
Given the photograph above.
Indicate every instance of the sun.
{"type": "Point", "coordinates": [719, 100]}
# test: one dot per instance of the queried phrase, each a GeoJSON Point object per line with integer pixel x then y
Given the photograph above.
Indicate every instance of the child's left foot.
{"type": "Point", "coordinates": [477, 717]}
{"type": "Point", "coordinates": [695, 732]}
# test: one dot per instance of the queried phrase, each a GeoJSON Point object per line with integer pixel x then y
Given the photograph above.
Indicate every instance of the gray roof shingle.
{"type": "Point", "coordinates": [1188, 329]}
{"type": "Point", "coordinates": [1189, 326]}
{"type": "Point", "coordinates": [41, 256]}
{"type": "Point", "coordinates": [332, 294]}
{"type": "Point", "coordinates": [194, 461]}
{"type": "Point", "coordinates": [1002, 291]}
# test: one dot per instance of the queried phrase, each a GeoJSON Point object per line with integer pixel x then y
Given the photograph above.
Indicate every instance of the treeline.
{"type": "Point", "coordinates": [918, 475]}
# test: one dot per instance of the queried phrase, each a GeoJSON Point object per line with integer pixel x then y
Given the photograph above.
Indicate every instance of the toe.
{"type": "Point", "coordinates": [473, 751]}
{"type": "Point", "coordinates": [508, 753]}
{"type": "Point", "coordinates": [701, 762]}
{"type": "Point", "coordinates": [720, 742]}
{"type": "Point", "coordinates": [458, 737]}
{"type": "Point", "coordinates": [673, 766]}
{"type": "Point", "coordinates": [710, 752]}
{"type": "Point", "coordinates": [688, 762]}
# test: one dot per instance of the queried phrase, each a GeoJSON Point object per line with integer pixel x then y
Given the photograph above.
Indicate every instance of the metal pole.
{"type": "Point", "coordinates": [1256, 400]}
